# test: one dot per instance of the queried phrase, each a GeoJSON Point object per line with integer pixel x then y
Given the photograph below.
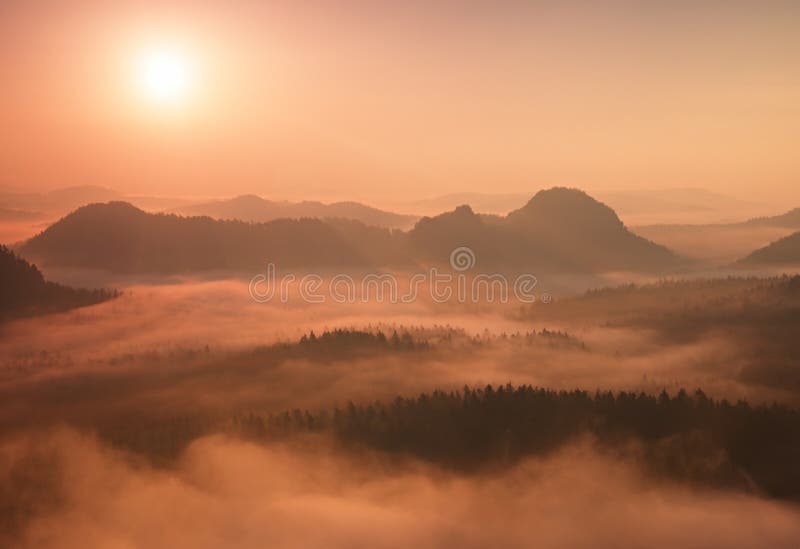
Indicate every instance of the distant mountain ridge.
{"type": "Point", "coordinates": [256, 209]}
{"type": "Point", "coordinates": [8, 214]}
{"type": "Point", "coordinates": [634, 206]}
{"type": "Point", "coordinates": [558, 230]}
{"type": "Point", "coordinates": [723, 243]}
{"type": "Point", "coordinates": [790, 219]}
{"type": "Point", "coordinates": [59, 200]}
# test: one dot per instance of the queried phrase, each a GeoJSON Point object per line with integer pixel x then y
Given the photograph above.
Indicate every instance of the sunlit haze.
{"type": "Point", "coordinates": [164, 75]}
{"type": "Point", "coordinates": [384, 274]}
{"type": "Point", "coordinates": [385, 101]}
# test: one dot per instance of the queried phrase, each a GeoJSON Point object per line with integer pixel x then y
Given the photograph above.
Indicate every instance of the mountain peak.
{"type": "Point", "coordinates": [247, 198]}
{"type": "Point", "coordinates": [464, 210]}
{"type": "Point", "coordinates": [565, 207]}
{"type": "Point", "coordinates": [461, 216]}
{"type": "Point", "coordinates": [569, 219]}
{"type": "Point", "coordinates": [114, 207]}
{"type": "Point", "coordinates": [564, 198]}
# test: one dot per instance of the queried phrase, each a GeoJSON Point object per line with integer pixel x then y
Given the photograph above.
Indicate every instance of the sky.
{"type": "Point", "coordinates": [388, 100]}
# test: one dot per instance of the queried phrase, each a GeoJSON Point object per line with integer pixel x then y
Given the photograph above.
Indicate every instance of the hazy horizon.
{"type": "Point", "coordinates": [378, 101]}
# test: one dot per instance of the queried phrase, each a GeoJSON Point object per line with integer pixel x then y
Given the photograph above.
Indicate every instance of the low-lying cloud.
{"type": "Point", "coordinates": [227, 493]}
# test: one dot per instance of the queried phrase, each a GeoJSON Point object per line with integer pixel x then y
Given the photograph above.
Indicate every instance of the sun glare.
{"type": "Point", "coordinates": [164, 75]}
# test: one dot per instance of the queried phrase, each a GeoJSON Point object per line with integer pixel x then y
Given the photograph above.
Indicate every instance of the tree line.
{"type": "Point", "coordinates": [688, 436]}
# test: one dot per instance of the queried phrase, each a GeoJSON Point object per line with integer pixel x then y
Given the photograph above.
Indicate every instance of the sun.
{"type": "Point", "coordinates": [164, 75]}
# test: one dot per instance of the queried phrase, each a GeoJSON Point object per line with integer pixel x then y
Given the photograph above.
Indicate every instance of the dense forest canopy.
{"type": "Point", "coordinates": [690, 436]}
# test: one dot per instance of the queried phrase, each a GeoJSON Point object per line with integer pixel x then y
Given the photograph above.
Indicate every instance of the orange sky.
{"type": "Point", "coordinates": [379, 100]}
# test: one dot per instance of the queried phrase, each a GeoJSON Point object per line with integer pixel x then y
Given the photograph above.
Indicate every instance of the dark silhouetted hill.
{"type": "Point", "coordinates": [785, 251]}
{"type": "Point", "coordinates": [119, 237]}
{"type": "Point", "coordinates": [557, 230]}
{"type": "Point", "coordinates": [560, 230]}
{"type": "Point", "coordinates": [24, 291]}
{"type": "Point", "coordinates": [579, 228]}
{"type": "Point", "coordinates": [435, 237]}
{"type": "Point", "coordinates": [256, 209]}
{"type": "Point", "coordinates": [384, 247]}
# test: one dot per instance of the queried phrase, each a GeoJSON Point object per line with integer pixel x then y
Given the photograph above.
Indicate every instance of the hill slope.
{"type": "Point", "coordinates": [785, 251]}
{"type": "Point", "coordinates": [579, 227]}
{"type": "Point", "coordinates": [24, 291]}
{"type": "Point", "coordinates": [119, 237]}
{"type": "Point", "coordinates": [790, 219]}
{"type": "Point", "coordinates": [557, 230]}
